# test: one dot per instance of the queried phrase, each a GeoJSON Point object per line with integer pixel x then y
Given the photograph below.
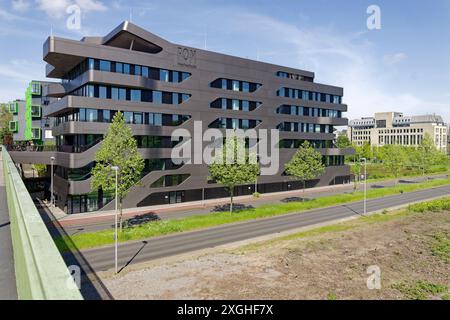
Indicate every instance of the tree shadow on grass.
{"type": "Point", "coordinates": [294, 199]}
{"type": "Point", "coordinates": [236, 207]}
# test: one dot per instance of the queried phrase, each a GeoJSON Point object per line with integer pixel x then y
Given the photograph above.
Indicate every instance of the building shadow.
{"type": "Point", "coordinates": [92, 288]}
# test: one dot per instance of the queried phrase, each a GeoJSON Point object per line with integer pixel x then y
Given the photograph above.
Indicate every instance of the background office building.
{"type": "Point", "coordinates": [161, 86]}
{"type": "Point", "coordinates": [395, 128]}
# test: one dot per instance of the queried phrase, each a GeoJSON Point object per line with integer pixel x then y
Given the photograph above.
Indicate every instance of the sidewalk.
{"type": "Point", "coordinates": [7, 274]}
{"type": "Point", "coordinates": [173, 211]}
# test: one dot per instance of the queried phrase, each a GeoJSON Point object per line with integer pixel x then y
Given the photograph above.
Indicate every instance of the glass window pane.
{"type": "Point", "coordinates": [164, 75]}
{"type": "Point", "coordinates": [245, 105]}
{"type": "Point", "coordinates": [119, 67]}
{"type": "Point", "coordinates": [135, 95]}
{"type": "Point", "coordinates": [137, 70]}
{"type": "Point", "coordinates": [235, 85]}
{"type": "Point", "coordinates": [115, 93]}
{"type": "Point", "coordinates": [235, 104]}
{"type": "Point", "coordinates": [175, 76]}
{"type": "Point", "coordinates": [122, 94]}
{"type": "Point", "coordinates": [91, 115]}
{"type": "Point", "coordinates": [245, 87]}
{"type": "Point", "coordinates": [158, 119]}
{"type": "Point", "coordinates": [145, 71]}
{"type": "Point", "coordinates": [185, 75]}
{"type": "Point", "coordinates": [157, 97]}
{"type": "Point", "coordinates": [128, 116]}
{"type": "Point", "coordinates": [105, 65]}
{"type": "Point", "coordinates": [106, 116]}
{"type": "Point", "coordinates": [126, 68]}
{"type": "Point", "coordinates": [102, 92]}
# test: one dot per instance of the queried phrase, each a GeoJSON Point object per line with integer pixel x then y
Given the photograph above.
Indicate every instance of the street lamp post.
{"type": "Point", "coordinates": [365, 184]}
{"type": "Point", "coordinates": [116, 169]}
{"type": "Point", "coordinates": [52, 196]}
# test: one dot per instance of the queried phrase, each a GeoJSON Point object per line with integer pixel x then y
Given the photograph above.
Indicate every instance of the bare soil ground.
{"type": "Point", "coordinates": [328, 265]}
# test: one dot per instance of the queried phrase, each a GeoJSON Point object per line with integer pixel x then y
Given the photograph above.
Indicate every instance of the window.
{"type": "Point", "coordinates": [90, 91]}
{"type": "Point", "coordinates": [175, 76]}
{"type": "Point", "coordinates": [105, 65]}
{"type": "Point", "coordinates": [157, 97]}
{"type": "Point", "coordinates": [106, 116]}
{"type": "Point", "coordinates": [35, 88]}
{"type": "Point", "coordinates": [122, 94]}
{"type": "Point", "coordinates": [158, 119]}
{"type": "Point", "coordinates": [48, 134]}
{"type": "Point", "coordinates": [115, 93]}
{"type": "Point", "coordinates": [119, 67]}
{"type": "Point", "coordinates": [164, 75]}
{"type": "Point", "coordinates": [126, 68]}
{"type": "Point", "coordinates": [185, 97]}
{"type": "Point", "coordinates": [35, 111]}
{"type": "Point", "coordinates": [245, 105]}
{"type": "Point", "coordinates": [128, 116]}
{"type": "Point", "coordinates": [102, 92]}
{"type": "Point", "coordinates": [235, 85]}
{"type": "Point", "coordinates": [137, 70]}
{"type": "Point", "coordinates": [224, 84]}
{"type": "Point", "coordinates": [138, 118]}
{"type": "Point", "coordinates": [91, 64]}
{"type": "Point", "coordinates": [185, 75]}
{"type": "Point", "coordinates": [235, 104]}
{"type": "Point", "coordinates": [91, 115]}
{"type": "Point", "coordinates": [135, 95]}
{"type": "Point", "coordinates": [145, 72]}
{"type": "Point", "coordinates": [245, 87]}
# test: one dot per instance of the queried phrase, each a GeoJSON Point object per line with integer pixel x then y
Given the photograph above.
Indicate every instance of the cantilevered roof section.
{"type": "Point", "coordinates": [64, 54]}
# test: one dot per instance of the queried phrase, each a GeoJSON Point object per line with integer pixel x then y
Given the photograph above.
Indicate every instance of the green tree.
{"type": "Point", "coordinates": [119, 149]}
{"type": "Point", "coordinates": [306, 164]}
{"type": "Point", "coordinates": [5, 118]}
{"type": "Point", "coordinates": [235, 169]}
{"type": "Point", "coordinates": [343, 141]}
{"type": "Point", "coordinates": [394, 159]}
{"type": "Point", "coordinates": [426, 154]}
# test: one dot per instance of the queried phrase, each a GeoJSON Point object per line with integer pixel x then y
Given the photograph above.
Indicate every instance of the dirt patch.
{"type": "Point", "coordinates": [328, 265]}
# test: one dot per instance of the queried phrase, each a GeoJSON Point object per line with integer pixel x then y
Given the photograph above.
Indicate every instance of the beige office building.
{"type": "Point", "coordinates": [395, 128]}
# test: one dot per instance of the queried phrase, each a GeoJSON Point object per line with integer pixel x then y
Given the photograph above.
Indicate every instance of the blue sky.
{"type": "Point", "coordinates": [404, 66]}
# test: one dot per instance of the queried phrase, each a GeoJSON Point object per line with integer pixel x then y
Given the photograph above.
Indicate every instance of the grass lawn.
{"type": "Point", "coordinates": [377, 172]}
{"type": "Point", "coordinates": [158, 228]}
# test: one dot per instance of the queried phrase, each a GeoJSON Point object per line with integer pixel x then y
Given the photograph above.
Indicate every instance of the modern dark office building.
{"type": "Point", "coordinates": [161, 86]}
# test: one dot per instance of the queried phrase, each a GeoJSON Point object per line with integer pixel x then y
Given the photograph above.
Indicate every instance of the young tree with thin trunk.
{"type": "Point", "coordinates": [119, 148]}
{"type": "Point", "coordinates": [394, 159]}
{"type": "Point", "coordinates": [233, 166]}
{"type": "Point", "coordinates": [306, 164]}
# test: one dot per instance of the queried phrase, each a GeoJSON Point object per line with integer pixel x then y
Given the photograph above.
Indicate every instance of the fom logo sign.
{"type": "Point", "coordinates": [187, 56]}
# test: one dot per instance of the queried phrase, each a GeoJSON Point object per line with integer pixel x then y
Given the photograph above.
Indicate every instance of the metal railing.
{"type": "Point", "coordinates": [40, 271]}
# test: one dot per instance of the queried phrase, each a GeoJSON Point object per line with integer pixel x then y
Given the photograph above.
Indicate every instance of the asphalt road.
{"type": "Point", "coordinates": [90, 226]}
{"type": "Point", "coordinates": [99, 259]}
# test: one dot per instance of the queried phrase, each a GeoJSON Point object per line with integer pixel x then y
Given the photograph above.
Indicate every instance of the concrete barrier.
{"type": "Point", "coordinates": [41, 273]}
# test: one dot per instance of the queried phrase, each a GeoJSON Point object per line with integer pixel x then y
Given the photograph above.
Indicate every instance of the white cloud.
{"type": "Point", "coordinates": [20, 5]}
{"type": "Point", "coordinates": [57, 8]}
{"type": "Point", "coordinates": [346, 60]}
{"type": "Point", "coordinates": [394, 58]}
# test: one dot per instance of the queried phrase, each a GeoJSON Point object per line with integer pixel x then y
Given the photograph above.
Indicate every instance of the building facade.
{"type": "Point", "coordinates": [395, 128]}
{"type": "Point", "coordinates": [28, 124]}
{"type": "Point", "coordinates": [160, 86]}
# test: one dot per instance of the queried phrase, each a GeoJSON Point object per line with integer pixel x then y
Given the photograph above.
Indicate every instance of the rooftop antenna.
{"type": "Point", "coordinates": [51, 31]}
{"type": "Point", "coordinates": [131, 15]}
